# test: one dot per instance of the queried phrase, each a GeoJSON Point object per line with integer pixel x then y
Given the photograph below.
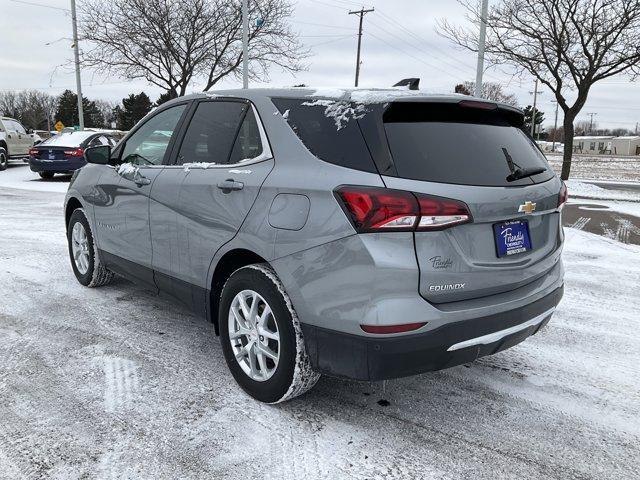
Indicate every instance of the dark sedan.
{"type": "Point", "coordinates": [64, 153]}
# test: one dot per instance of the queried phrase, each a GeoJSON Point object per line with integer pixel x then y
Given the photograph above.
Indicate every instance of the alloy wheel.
{"type": "Point", "coordinates": [80, 248]}
{"type": "Point", "coordinates": [254, 336]}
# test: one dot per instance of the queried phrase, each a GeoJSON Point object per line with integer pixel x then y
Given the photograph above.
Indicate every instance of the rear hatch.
{"type": "Point", "coordinates": [475, 152]}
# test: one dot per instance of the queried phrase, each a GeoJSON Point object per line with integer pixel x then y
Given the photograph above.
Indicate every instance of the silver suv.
{"type": "Point", "coordinates": [364, 234]}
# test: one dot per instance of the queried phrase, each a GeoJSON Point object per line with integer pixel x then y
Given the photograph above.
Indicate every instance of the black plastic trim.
{"type": "Point", "coordinates": [378, 358]}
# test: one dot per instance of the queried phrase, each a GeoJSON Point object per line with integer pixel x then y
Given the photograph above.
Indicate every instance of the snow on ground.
{"type": "Point", "coordinates": [18, 175]}
{"type": "Point", "coordinates": [117, 383]}
{"type": "Point", "coordinates": [589, 190]}
{"type": "Point", "coordinates": [600, 167]}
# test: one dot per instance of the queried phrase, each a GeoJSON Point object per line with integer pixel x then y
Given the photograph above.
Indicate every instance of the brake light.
{"type": "Point", "coordinates": [33, 152]}
{"type": "Point", "coordinates": [563, 196]}
{"type": "Point", "coordinates": [374, 209]}
{"type": "Point", "coordinates": [478, 105]}
{"type": "Point", "coordinates": [387, 329]}
{"type": "Point", "coordinates": [76, 152]}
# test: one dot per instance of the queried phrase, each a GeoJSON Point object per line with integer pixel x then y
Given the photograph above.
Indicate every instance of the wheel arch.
{"type": "Point", "coordinates": [4, 145]}
{"type": "Point", "coordinates": [228, 263]}
{"type": "Point", "coordinates": [72, 204]}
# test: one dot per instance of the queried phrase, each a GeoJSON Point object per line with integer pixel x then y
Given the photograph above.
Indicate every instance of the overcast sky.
{"type": "Point", "coordinates": [399, 41]}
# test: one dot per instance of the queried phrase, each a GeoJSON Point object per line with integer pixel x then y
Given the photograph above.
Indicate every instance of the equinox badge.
{"type": "Point", "coordinates": [527, 207]}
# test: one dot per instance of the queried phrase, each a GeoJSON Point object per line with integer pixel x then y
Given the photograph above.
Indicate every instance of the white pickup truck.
{"type": "Point", "coordinates": [15, 142]}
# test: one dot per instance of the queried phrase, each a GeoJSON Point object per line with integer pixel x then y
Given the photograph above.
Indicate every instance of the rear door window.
{"type": "Point", "coordinates": [329, 129]}
{"type": "Point", "coordinates": [248, 144]}
{"type": "Point", "coordinates": [448, 143]}
{"type": "Point", "coordinates": [211, 132]}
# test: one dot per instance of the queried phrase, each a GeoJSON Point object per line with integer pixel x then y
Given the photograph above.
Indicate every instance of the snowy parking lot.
{"type": "Point", "coordinates": [117, 383]}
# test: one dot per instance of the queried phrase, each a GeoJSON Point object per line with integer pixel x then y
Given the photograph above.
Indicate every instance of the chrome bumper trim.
{"type": "Point", "coordinates": [500, 334]}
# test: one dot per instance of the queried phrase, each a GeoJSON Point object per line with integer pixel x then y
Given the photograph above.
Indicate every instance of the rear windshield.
{"type": "Point", "coordinates": [448, 143]}
{"type": "Point", "coordinates": [329, 129]}
{"type": "Point", "coordinates": [71, 139]}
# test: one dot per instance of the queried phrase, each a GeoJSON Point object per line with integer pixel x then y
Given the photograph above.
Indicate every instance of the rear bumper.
{"type": "Point", "coordinates": [455, 343]}
{"type": "Point", "coordinates": [56, 166]}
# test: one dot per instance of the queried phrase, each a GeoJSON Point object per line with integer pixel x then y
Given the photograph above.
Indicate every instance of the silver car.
{"type": "Point", "coordinates": [363, 234]}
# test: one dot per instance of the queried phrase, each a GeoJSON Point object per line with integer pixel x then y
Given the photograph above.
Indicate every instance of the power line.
{"type": "Point", "coordinates": [320, 25]}
{"type": "Point", "coordinates": [33, 4]}
{"type": "Point", "coordinates": [430, 65]}
{"type": "Point", "coordinates": [344, 37]}
{"type": "Point", "coordinates": [417, 48]}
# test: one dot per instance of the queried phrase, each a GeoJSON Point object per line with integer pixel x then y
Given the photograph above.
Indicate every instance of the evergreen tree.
{"type": "Point", "coordinates": [67, 111]}
{"type": "Point", "coordinates": [528, 114]}
{"type": "Point", "coordinates": [133, 109]}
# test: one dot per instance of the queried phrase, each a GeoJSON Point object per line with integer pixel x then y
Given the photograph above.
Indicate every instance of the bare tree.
{"type": "Point", "coordinates": [173, 43]}
{"type": "Point", "coordinates": [569, 45]}
{"type": "Point", "coordinates": [34, 109]}
{"type": "Point", "coordinates": [493, 91]}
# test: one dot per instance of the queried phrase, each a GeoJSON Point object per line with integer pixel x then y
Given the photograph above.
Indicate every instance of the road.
{"type": "Point", "coordinates": [599, 218]}
{"type": "Point", "coordinates": [117, 383]}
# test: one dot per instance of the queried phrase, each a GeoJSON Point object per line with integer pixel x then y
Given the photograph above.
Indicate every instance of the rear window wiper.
{"type": "Point", "coordinates": [524, 173]}
{"type": "Point", "coordinates": [517, 172]}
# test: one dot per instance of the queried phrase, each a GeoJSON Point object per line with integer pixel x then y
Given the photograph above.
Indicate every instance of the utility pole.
{"type": "Point", "coordinates": [245, 43]}
{"type": "Point", "coordinates": [591, 123]}
{"type": "Point", "coordinates": [555, 128]}
{"type": "Point", "coordinates": [76, 54]}
{"type": "Point", "coordinates": [361, 13]}
{"type": "Point", "coordinates": [481, 44]}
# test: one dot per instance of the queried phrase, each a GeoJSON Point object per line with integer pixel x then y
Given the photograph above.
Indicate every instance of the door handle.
{"type": "Point", "coordinates": [229, 185]}
{"type": "Point", "coordinates": [140, 180]}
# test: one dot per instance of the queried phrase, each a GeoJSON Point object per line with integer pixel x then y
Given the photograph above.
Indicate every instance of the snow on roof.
{"type": "Point", "coordinates": [68, 139]}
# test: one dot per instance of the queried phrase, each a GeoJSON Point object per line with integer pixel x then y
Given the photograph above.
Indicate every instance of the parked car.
{"type": "Point", "coordinates": [15, 141]}
{"type": "Point", "coordinates": [376, 235]}
{"type": "Point", "coordinates": [64, 153]}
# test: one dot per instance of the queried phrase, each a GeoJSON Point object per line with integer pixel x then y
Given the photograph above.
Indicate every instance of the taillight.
{"type": "Point", "coordinates": [374, 209]}
{"type": "Point", "coordinates": [437, 213]}
{"type": "Point", "coordinates": [387, 329]}
{"type": "Point", "coordinates": [563, 196]}
{"type": "Point", "coordinates": [33, 152]}
{"type": "Point", "coordinates": [76, 152]}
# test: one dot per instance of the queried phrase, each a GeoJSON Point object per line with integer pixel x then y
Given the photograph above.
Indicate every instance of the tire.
{"type": "Point", "coordinates": [92, 273]}
{"type": "Point", "coordinates": [292, 375]}
{"type": "Point", "coordinates": [46, 175]}
{"type": "Point", "coordinates": [4, 159]}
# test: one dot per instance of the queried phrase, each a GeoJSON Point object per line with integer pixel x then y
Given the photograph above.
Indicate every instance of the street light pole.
{"type": "Point", "coordinates": [76, 54]}
{"type": "Point", "coordinates": [481, 44]}
{"type": "Point", "coordinates": [245, 43]}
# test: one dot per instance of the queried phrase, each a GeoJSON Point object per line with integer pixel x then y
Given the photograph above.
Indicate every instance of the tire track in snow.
{"type": "Point", "coordinates": [121, 382]}
{"type": "Point", "coordinates": [624, 230]}
{"type": "Point", "coordinates": [581, 223]}
{"type": "Point", "coordinates": [608, 232]}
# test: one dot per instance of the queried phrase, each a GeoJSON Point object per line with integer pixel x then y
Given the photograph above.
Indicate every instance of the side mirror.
{"type": "Point", "coordinates": [99, 155]}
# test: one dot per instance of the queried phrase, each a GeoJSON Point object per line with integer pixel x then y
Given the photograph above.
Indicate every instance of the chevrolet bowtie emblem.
{"type": "Point", "coordinates": [527, 207]}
